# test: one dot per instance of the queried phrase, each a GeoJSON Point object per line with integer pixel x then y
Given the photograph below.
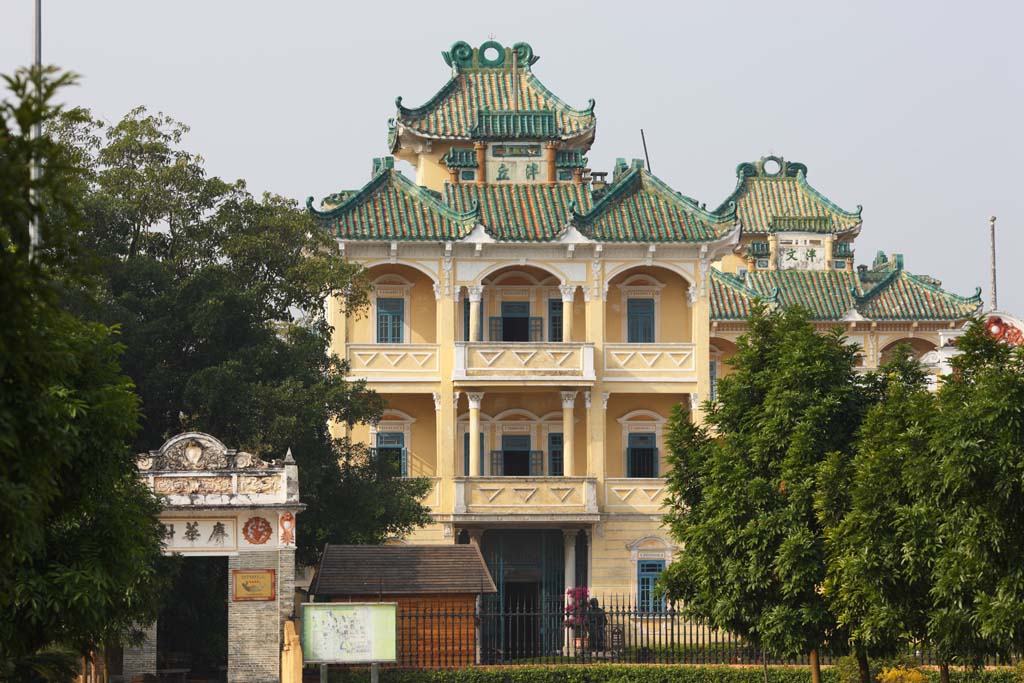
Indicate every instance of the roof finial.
{"type": "Point", "coordinates": [992, 245]}
{"type": "Point", "coordinates": [288, 456]}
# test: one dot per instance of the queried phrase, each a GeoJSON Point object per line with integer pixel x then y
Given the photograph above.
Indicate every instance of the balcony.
{"type": "Point", "coordinates": [524, 499]}
{"type": "Point", "coordinates": [657, 362]}
{"type": "Point", "coordinates": [394, 362]}
{"type": "Point", "coordinates": [516, 362]}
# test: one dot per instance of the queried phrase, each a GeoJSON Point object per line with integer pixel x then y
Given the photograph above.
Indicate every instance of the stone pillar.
{"type": "Point", "coordinates": [254, 628]}
{"type": "Point", "coordinates": [481, 165]}
{"type": "Point", "coordinates": [568, 293]}
{"type": "Point", "coordinates": [475, 536]}
{"type": "Point", "coordinates": [474, 312]}
{"type": "Point", "coordinates": [568, 431]}
{"type": "Point", "coordinates": [475, 399]}
{"type": "Point", "coordinates": [569, 560]}
{"type": "Point", "coordinates": [140, 660]}
{"type": "Point", "coordinates": [700, 324]}
{"type": "Point", "coordinates": [549, 157]}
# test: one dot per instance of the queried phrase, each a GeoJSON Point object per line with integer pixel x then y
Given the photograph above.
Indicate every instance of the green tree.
{"type": "Point", "coordinates": [978, 574]}
{"type": "Point", "coordinates": [880, 519]}
{"type": "Point", "coordinates": [221, 298]}
{"type": "Point", "coordinates": [742, 503]}
{"type": "Point", "coordinates": [80, 545]}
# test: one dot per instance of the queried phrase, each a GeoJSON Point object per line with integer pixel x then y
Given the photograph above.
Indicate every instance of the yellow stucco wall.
{"type": "Point", "coordinates": [622, 405]}
{"type": "Point", "coordinates": [420, 312]}
{"type": "Point", "coordinates": [672, 311]}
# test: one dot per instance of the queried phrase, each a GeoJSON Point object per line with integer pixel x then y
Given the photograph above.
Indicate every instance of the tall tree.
{"type": "Point", "coordinates": [742, 503]}
{"type": "Point", "coordinates": [80, 546]}
{"type": "Point", "coordinates": [222, 298]}
{"type": "Point", "coordinates": [880, 519]}
{"type": "Point", "coordinates": [979, 443]}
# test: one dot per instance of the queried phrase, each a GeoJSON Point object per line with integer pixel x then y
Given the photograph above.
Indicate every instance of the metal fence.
{"type": "Point", "coordinates": [509, 632]}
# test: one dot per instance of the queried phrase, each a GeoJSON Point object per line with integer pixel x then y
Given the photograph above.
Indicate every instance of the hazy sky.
{"type": "Point", "coordinates": [913, 109]}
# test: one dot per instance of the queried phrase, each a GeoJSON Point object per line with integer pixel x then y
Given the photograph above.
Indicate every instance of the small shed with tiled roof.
{"type": "Point", "coordinates": [425, 581]}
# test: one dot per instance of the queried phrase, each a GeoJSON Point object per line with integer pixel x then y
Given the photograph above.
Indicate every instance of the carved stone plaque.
{"type": "Point", "coordinates": [186, 486]}
{"type": "Point", "coordinates": [269, 484]}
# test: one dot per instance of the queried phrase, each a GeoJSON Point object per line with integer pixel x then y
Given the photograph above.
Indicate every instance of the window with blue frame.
{"type": "Point", "coordinates": [465, 453]}
{"type": "Point", "coordinates": [642, 455]}
{"type": "Point", "coordinates": [555, 457]}
{"type": "Point", "coordinates": [390, 320]}
{"type": "Point", "coordinates": [647, 573]}
{"type": "Point", "coordinates": [555, 320]}
{"type": "Point", "coordinates": [391, 447]}
{"type": "Point", "coordinates": [640, 321]}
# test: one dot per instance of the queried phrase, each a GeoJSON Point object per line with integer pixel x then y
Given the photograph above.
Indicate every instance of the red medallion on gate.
{"type": "Point", "coordinates": [257, 530]}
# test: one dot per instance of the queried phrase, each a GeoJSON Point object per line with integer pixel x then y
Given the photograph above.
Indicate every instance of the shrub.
{"type": "Point", "coordinates": [901, 674]}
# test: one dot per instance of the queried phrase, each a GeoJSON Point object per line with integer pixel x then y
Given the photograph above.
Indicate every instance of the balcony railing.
{"type": "Point", "coordinates": [517, 361]}
{"type": "Point", "coordinates": [643, 495]}
{"type": "Point", "coordinates": [672, 362]}
{"type": "Point", "coordinates": [521, 497]}
{"type": "Point", "coordinates": [394, 362]}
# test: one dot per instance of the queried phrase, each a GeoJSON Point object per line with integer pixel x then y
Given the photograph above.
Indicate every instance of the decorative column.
{"type": "Point", "coordinates": [568, 294]}
{"type": "Point", "coordinates": [700, 326]}
{"type": "Point", "coordinates": [481, 166]}
{"type": "Point", "coordinates": [474, 312]}
{"type": "Point", "coordinates": [475, 399]}
{"type": "Point", "coordinates": [549, 157]}
{"type": "Point", "coordinates": [569, 560]}
{"type": "Point", "coordinates": [568, 427]}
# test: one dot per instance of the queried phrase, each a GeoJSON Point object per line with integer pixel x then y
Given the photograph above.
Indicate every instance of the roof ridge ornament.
{"type": "Point", "coordinates": [491, 54]}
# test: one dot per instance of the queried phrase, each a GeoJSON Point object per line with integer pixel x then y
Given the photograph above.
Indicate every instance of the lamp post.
{"type": "Point", "coordinates": [992, 247]}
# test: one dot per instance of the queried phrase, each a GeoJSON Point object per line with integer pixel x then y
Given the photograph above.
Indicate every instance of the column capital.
{"type": "Point", "coordinates": [570, 536]}
{"type": "Point", "coordinates": [437, 400]}
{"type": "Point", "coordinates": [475, 535]}
{"type": "Point", "coordinates": [568, 399]}
{"type": "Point", "coordinates": [455, 400]}
{"type": "Point", "coordinates": [586, 398]}
{"type": "Point", "coordinates": [604, 400]}
{"type": "Point", "coordinates": [475, 292]}
{"type": "Point", "coordinates": [475, 399]}
{"type": "Point", "coordinates": [568, 292]}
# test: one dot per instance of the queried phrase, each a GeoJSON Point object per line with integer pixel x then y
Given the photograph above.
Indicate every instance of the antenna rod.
{"type": "Point", "coordinates": [35, 133]}
{"type": "Point", "coordinates": [647, 157]}
{"type": "Point", "coordinates": [992, 245]}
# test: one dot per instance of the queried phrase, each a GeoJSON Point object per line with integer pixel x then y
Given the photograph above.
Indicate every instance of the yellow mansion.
{"type": "Point", "coordinates": [533, 322]}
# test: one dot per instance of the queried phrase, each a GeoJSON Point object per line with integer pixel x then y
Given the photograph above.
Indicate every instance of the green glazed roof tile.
{"type": "Point", "coordinates": [454, 111]}
{"type": "Point", "coordinates": [905, 296]}
{"type": "Point", "coordinates": [460, 157]}
{"type": "Point", "coordinates": [389, 207]}
{"type": "Point", "coordinates": [773, 201]}
{"type": "Point", "coordinates": [525, 212]}
{"type": "Point", "coordinates": [638, 207]}
{"type": "Point", "coordinates": [570, 158]}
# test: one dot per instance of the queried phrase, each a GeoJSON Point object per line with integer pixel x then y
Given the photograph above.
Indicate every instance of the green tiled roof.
{"type": "Point", "coordinates": [454, 112]}
{"type": "Point", "coordinates": [460, 157]}
{"type": "Point", "coordinates": [880, 294]}
{"type": "Point", "coordinates": [514, 125]}
{"type": "Point", "coordinates": [570, 158]}
{"type": "Point", "coordinates": [769, 200]}
{"type": "Point", "coordinates": [638, 207]}
{"type": "Point", "coordinates": [391, 206]}
{"type": "Point", "coordinates": [532, 212]}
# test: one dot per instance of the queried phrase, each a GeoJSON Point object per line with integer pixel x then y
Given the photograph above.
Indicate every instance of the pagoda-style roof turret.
{"type": "Point", "coordinates": [772, 195]}
{"type": "Point", "coordinates": [492, 94]}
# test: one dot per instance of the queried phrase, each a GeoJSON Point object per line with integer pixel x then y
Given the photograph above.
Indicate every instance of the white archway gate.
{"type": "Point", "coordinates": [222, 502]}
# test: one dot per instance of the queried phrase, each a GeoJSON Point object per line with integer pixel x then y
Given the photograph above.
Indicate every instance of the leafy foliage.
{"type": "Point", "coordinates": [80, 558]}
{"type": "Point", "coordinates": [221, 298]}
{"type": "Point", "coordinates": [752, 556]}
{"type": "Point", "coordinates": [881, 521]}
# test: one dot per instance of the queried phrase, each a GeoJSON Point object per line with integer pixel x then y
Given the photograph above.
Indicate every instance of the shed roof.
{"type": "Point", "coordinates": [401, 570]}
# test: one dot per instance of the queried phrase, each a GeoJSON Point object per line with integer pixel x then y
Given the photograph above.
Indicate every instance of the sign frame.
{"type": "Point", "coordinates": [317, 606]}
{"type": "Point", "coordinates": [267, 595]}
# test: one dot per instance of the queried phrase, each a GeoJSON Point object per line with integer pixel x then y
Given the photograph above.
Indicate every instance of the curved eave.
{"type": "Point", "coordinates": [584, 136]}
{"type": "Point", "coordinates": [723, 225]}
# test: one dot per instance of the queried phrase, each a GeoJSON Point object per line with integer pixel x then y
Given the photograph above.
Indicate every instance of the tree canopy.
{"type": "Point", "coordinates": [80, 546]}
{"type": "Point", "coordinates": [221, 299]}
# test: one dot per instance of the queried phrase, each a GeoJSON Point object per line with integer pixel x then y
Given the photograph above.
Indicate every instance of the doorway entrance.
{"type": "Point", "coordinates": [515, 455]}
{"type": "Point", "coordinates": [192, 629]}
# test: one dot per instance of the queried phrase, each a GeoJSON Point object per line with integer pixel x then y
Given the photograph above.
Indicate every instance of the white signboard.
{"type": "Point", "coordinates": [801, 253]}
{"type": "Point", "coordinates": [349, 632]}
{"type": "Point", "coordinates": [199, 535]}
